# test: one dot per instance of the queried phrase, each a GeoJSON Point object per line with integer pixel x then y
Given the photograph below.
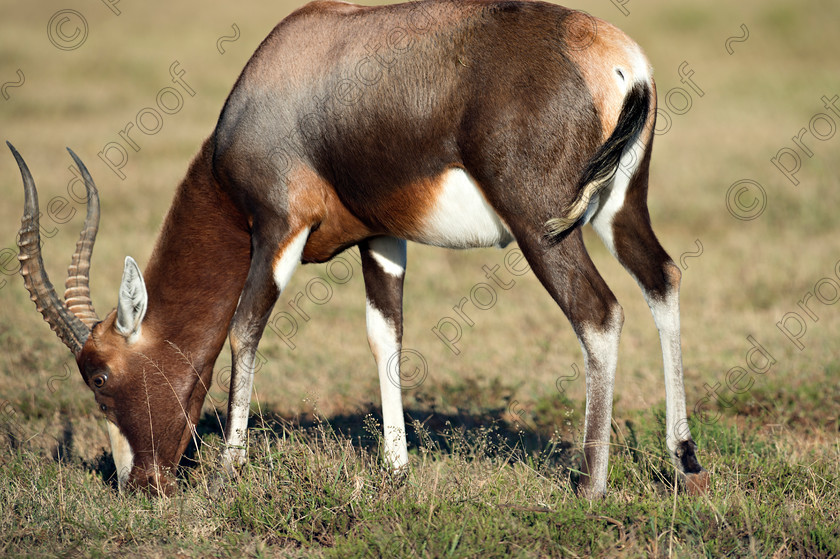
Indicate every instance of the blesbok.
{"type": "Point", "coordinates": [455, 123]}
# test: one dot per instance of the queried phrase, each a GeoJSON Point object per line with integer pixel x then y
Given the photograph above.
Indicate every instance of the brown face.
{"type": "Point", "coordinates": [146, 388]}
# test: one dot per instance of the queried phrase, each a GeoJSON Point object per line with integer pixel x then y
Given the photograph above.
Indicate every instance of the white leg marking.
{"type": "Point", "coordinates": [122, 453]}
{"type": "Point", "coordinates": [390, 254]}
{"type": "Point", "coordinates": [600, 351]}
{"type": "Point", "coordinates": [462, 218]}
{"type": "Point", "coordinates": [289, 260]}
{"type": "Point", "coordinates": [666, 315]}
{"type": "Point", "coordinates": [240, 390]}
{"type": "Point", "coordinates": [382, 337]}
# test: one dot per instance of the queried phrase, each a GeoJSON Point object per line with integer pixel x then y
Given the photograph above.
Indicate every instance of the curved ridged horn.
{"type": "Point", "coordinates": [72, 331]}
{"type": "Point", "coordinates": [77, 287]}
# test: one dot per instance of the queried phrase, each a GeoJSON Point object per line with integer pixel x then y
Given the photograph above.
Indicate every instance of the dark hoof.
{"type": "Point", "coordinates": [696, 479]}
{"type": "Point", "coordinates": [697, 484]}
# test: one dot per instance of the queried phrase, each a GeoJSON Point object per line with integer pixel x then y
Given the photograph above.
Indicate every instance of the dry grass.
{"type": "Point", "coordinates": [774, 452]}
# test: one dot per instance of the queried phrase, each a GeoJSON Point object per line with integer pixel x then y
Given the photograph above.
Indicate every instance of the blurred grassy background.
{"type": "Point", "coordinates": [749, 275]}
{"type": "Point", "coordinates": [773, 454]}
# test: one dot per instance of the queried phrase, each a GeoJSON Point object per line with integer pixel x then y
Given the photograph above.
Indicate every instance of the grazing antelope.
{"type": "Point", "coordinates": [455, 123]}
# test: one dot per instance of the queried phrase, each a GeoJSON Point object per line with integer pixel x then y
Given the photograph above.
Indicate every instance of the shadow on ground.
{"type": "Point", "coordinates": [489, 434]}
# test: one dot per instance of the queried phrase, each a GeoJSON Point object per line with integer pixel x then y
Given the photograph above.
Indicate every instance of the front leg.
{"type": "Point", "coordinates": [383, 266]}
{"type": "Point", "coordinates": [271, 270]}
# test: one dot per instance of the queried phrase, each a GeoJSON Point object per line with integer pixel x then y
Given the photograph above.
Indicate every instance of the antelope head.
{"type": "Point", "coordinates": [147, 389]}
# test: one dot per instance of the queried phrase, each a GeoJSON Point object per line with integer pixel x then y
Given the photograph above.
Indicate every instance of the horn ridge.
{"type": "Point", "coordinates": [77, 286]}
{"type": "Point", "coordinates": [72, 331]}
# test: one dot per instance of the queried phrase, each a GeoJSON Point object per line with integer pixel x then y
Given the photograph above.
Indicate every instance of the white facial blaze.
{"type": "Point", "coordinates": [122, 453]}
{"type": "Point", "coordinates": [462, 218]}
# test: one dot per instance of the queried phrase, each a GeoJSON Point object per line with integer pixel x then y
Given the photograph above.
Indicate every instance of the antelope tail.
{"type": "Point", "coordinates": [602, 167]}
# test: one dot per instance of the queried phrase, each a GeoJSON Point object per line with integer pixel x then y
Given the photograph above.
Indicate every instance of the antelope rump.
{"type": "Point", "coordinates": [454, 123]}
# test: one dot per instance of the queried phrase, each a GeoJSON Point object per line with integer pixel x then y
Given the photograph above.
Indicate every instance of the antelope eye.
{"type": "Point", "coordinates": [103, 407]}
{"type": "Point", "coordinates": [100, 380]}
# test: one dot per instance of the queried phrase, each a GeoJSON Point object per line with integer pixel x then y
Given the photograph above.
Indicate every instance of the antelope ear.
{"type": "Point", "coordinates": [131, 306]}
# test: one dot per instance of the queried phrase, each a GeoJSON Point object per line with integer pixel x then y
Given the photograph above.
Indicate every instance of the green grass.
{"type": "Point", "coordinates": [314, 491]}
{"type": "Point", "coordinates": [497, 432]}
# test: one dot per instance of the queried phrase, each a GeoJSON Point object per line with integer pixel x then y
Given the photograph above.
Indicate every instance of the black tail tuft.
{"type": "Point", "coordinates": [604, 164]}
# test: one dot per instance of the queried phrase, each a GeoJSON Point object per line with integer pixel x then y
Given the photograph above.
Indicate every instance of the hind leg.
{"type": "Point", "coordinates": [623, 223]}
{"type": "Point", "coordinates": [383, 266]}
{"type": "Point", "coordinates": [570, 277]}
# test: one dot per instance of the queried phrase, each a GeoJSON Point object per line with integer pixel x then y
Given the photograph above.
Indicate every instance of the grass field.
{"type": "Point", "coordinates": [495, 429]}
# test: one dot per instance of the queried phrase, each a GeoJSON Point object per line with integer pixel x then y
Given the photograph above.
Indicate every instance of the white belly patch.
{"type": "Point", "coordinates": [461, 217]}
